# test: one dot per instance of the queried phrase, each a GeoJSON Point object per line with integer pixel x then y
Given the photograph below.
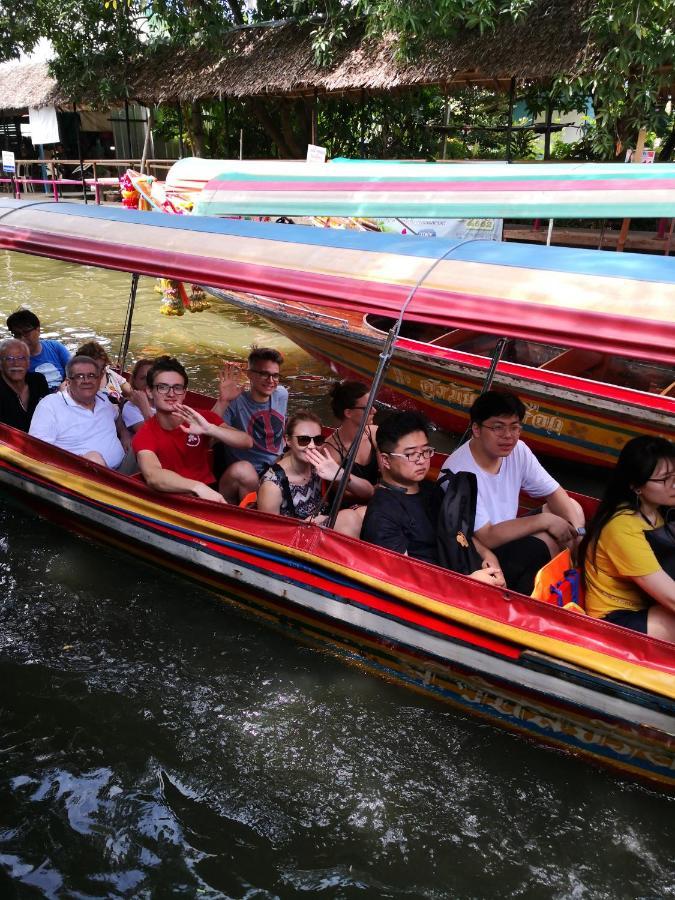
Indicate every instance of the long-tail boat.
{"type": "Point", "coordinates": [583, 404]}
{"type": "Point", "coordinates": [558, 677]}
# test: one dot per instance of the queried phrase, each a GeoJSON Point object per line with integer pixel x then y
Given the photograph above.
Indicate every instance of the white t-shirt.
{"type": "Point", "coordinates": [498, 493]}
{"type": "Point", "coordinates": [131, 414]}
{"type": "Point", "coordinates": [60, 421]}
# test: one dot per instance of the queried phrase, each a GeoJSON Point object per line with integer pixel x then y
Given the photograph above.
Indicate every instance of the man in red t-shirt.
{"type": "Point", "coordinates": [172, 447]}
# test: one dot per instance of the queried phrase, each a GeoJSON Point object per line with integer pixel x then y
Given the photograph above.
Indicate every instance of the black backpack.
{"type": "Point", "coordinates": [456, 495]}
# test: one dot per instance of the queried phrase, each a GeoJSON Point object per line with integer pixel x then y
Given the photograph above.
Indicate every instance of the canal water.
{"type": "Point", "coordinates": [155, 743]}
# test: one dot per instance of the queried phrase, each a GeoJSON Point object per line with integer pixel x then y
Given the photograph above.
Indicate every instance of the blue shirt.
{"type": "Point", "coordinates": [51, 362]}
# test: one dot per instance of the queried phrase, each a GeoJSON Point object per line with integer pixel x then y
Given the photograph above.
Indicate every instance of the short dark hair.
{"type": "Point", "coordinates": [496, 403]}
{"type": "Point", "coordinates": [344, 394]}
{"type": "Point", "coordinates": [22, 318]}
{"type": "Point", "coordinates": [396, 426]}
{"type": "Point", "coordinates": [166, 364]}
{"type": "Point", "coordinates": [140, 364]}
{"type": "Point", "coordinates": [264, 354]}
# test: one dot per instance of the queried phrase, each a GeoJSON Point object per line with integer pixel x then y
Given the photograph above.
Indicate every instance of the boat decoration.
{"type": "Point", "coordinates": [377, 189]}
{"type": "Point", "coordinates": [564, 679]}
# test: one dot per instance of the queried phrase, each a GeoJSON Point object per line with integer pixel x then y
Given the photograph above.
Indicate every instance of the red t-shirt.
{"type": "Point", "coordinates": [180, 452]}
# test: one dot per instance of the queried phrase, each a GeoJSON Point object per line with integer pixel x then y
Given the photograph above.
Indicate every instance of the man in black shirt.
{"type": "Point", "coordinates": [402, 513]}
{"type": "Point", "coordinates": [20, 390]}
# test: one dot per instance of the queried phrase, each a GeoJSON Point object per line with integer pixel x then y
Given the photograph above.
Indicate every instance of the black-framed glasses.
{"type": "Point", "coordinates": [84, 376]}
{"type": "Point", "coordinates": [163, 388]}
{"type": "Point", "coordinates": [304, 440]}
{"type": "Point", "coordinates": [269, 376]}
{"type": "Point", "coordinates": [414, 456]}
{"type": "Point", "coordinates": [666, 478]}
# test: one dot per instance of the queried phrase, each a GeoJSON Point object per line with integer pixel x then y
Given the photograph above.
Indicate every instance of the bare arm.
{"type": "Point", "coordinates": [561, 504]}
{"type": "Point", "coordinates": [329, 469]}
{"type": "Point", "coordinates": [194, 422]}
{"type": "Point", "coordinates": [495, 535]}
{"type": "Point", "coordinates": [269, 497]}
{"type": "Point", "coordinates": [660, 586]}
{"type": "Point", "coordinates": [160, 479]}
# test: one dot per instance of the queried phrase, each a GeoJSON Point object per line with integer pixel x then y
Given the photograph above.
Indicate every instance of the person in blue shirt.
{"type": "Point", "coordinates": [48, 358]}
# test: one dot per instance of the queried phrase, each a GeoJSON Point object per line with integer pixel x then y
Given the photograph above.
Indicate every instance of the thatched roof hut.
{"type": "Point", "coordinates": [278, 61]}
{"type": "Point", "coordinates": [25, 84]}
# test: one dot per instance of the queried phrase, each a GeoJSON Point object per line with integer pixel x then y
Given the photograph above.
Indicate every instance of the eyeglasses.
{"type": "Point", "coordinates": [500, 430]}
{"type": "Point", "coordinates": [664, 481]}
{"type": "Point", "coordinates": [84, 376]}
{"type": "Point", "coordinates": [163, 388]}
{"type": "Point", "coordinates": [268, 376]}
{"type": "Point", "coordinates": [361, 407]}
{"type": "Point", "coordinates": [23, 332]}
{"type": "Point", "coordinates": [11, 359]}
{"type": "Point", "coordinates": [304, 440]}
{"type": "Point", "coordinates": [415, 455]}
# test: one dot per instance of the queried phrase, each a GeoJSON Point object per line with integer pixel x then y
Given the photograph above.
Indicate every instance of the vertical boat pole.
{"type": "Point", "coordinates": [126, 335]}
{"type": "Point", "coordinates": [385, 358]}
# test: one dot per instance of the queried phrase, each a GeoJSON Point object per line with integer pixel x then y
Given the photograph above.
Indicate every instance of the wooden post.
{"type": "Point", "coordinates": [547, 134]}
{"type": "Point", "coordinates": [637, 158]}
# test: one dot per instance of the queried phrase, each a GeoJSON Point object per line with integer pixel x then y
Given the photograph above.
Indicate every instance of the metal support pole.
{"type": "Point", "coordinates": [509, 130]}
{"type": "Point", "coordinates": [79, 152]}
{"type": "Point", "coordinates": [547, 134]}
{"type": "Point", "coordinates": [497, 354]}
{"type": "Point", "coordinates": [126, 334]}
{"type": "Point", "coordinates": [181, 148]}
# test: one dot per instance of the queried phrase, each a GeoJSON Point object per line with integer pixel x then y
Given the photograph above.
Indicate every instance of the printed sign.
{"type": "Point", "coordinates": [648, 156]}
{"type": "Point", "coordinates": [315, 153]}
{"type": "Point", "coordinates": [8, 163]}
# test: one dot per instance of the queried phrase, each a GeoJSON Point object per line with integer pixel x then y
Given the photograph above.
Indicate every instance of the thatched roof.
{"type": "Point", "coordinates": [278, 61]}
{"type": "Point", "coordinates": [24, 84]}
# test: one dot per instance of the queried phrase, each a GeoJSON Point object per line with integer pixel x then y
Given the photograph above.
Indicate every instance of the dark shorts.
{"type": "Point", "coordinates": [628, 618]}
{"type": "Point", "coordinates": [520, 560]}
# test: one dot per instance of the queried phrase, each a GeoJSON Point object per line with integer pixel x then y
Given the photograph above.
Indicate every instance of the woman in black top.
{"type": "Point", "coordinates": [348, 400]}
{"type": "Point", "coordinates": [20, 390]}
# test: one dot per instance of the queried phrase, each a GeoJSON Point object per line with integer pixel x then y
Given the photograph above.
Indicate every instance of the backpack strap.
{"type": "Point", "coordinates": [285, 487]}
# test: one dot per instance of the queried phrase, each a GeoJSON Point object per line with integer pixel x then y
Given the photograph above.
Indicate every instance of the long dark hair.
{"type": "Point", "coordinates": [635, 466]}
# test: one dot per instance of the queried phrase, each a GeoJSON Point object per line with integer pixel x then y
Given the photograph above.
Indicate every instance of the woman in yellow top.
{"type": "Point", "coordinates": [625, 583]}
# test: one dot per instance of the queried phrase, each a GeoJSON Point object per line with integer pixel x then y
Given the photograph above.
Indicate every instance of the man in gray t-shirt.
{"type": "Point", "coordinates": [259, 411]}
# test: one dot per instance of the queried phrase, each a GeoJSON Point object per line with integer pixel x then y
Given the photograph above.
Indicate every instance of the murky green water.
{"type": "Point", "coordinates": [155, 743]}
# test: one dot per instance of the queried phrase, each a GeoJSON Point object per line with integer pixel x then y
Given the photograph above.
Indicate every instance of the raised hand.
{"type": "Point", "coordinates": [230, 384]}
{"type": "Point", "coordinates": [324, 464]}
{"type": "Point", "coordinates": [191, 422]}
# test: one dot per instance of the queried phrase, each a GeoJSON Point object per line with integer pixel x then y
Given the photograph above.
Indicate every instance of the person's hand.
{"type": "Point", "coordinates": [489, 575]}
{"type": "Point", "coordinates": [561, 531]}
{"type": "Point", "coordinates": [230, 383]}
{"type": "Point", "coordinates": [324, 464]}
{"type": "Point", "coordinates": [191, 421]}
{"type": "Point", "coordinates": [490, 560]}
{"type": "Point", "coordinates": [204, 492]}
{"type": "Point", "coordinates": [140, 400]}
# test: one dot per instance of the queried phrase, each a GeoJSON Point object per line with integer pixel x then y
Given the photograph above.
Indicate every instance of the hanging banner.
{"type": "Point", "coordinates": [44, 126]}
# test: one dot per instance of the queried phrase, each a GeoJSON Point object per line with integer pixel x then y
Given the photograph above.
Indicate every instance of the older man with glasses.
{"type": "Point", "coordinates": [20, 390]}
{"type": "Point", "coordinates": [172, 447]}
{"type": "Point", "coordinates": [79, 419]}
{"type": "Point", "coordinates": [504, 466]}
{"type": "Point", "coordinates": [49, 358]}
{"type": "Point", "coordinates": [260, 411]}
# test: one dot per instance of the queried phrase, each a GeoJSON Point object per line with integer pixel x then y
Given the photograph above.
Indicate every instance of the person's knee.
{"type": "Point", "coordinates": [661, 624]}
{"type": "Point", "coordinates": [238, 480]}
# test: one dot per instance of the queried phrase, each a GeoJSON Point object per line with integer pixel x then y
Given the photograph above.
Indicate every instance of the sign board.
{"type": "Point", "coordinates": [648, 156]}
{"type": "Point", "coordinates": [8, 163]}
{"type": "Point", "coordinates": [458, 229]}
{"type": "Point", "coordinates": [316, 154]}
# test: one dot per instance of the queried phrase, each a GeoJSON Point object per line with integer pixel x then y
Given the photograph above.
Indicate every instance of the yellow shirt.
{"type": "Point", "coordinates": [622, 551]}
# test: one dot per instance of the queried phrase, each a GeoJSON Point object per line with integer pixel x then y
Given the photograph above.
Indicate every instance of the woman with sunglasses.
{"type": "Point", "coordinates": [348, 402]}
{"type": "Point", "coordinates": [625, 583]}
{"type": "Point", "coordinates": [293, 485]}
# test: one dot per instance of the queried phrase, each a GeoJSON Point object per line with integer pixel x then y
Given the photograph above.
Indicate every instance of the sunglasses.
{"type": "Point", "coordinates": [304, 440]}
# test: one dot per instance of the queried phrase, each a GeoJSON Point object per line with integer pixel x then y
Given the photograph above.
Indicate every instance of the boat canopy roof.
{"type": "Point", "coordinates": [615, 303]}
{"type": "Point", "coordinates": [376, 188]}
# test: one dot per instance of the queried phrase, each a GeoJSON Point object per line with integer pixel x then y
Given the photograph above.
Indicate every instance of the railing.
{"type": "Point", "coordinates": [22, 183]}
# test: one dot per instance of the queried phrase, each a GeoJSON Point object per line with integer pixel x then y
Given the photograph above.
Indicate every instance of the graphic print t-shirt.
{"type": "Point", "coordinates": [265, 423]}
{"type": "Point", "coordinates": [180, 452]}
{"type": "Point", "coordinates": [51, 362]}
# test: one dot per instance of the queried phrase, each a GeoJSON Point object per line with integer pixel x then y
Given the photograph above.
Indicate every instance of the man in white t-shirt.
{"type": "Point", "coordinates": [504, 466]}
{"type": "Point", "coordinates": [79, 419]}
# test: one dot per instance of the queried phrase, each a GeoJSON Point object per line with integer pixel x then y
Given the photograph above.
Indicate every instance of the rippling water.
{"type": "Point", "coordinates": [156, 743]}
